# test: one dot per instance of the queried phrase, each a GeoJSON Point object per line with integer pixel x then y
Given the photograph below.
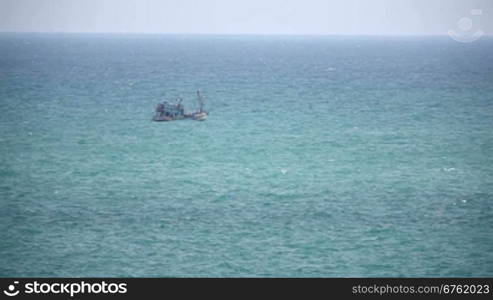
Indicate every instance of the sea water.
{"type": "Point", "coordinates": [321, 156]}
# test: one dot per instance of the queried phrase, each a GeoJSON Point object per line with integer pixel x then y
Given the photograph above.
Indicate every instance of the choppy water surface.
{"type": "Point", "coordinates": [322, 156]}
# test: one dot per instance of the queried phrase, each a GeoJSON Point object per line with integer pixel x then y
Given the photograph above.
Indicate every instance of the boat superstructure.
{"type": "Point", "coordinates": [166, 111]}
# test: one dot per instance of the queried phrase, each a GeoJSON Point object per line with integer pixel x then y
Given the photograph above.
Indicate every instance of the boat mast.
{"type": "Point", "coordinates": [201, 101]}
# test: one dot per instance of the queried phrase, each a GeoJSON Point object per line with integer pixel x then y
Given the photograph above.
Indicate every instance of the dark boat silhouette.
{"type": "Point", "coordinates": [167, 111]}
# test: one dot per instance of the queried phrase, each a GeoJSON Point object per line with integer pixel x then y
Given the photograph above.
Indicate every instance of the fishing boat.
{"type": "Point", "coordinates": [167, 111]}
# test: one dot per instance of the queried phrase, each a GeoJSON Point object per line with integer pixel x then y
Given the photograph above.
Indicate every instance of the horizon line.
{"type": "Point", "coordinates": [232, 34]}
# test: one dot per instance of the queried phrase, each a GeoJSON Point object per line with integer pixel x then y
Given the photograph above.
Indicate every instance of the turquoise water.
{"type": "Point", "coordinates": [322, 156]}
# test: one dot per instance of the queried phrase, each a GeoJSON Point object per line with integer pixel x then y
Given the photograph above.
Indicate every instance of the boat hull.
{"type": "Point", "coordinates": [162, 118]}
{"type": "Point", "coordinates": [200, 116]}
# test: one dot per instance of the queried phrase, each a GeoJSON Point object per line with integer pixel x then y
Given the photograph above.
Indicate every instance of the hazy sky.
{"type": "Point", "coordinates": [245, 16]}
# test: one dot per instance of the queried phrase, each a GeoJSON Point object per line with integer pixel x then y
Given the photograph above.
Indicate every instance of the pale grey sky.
{"type": "Point", "coordinates": [245, 16]}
